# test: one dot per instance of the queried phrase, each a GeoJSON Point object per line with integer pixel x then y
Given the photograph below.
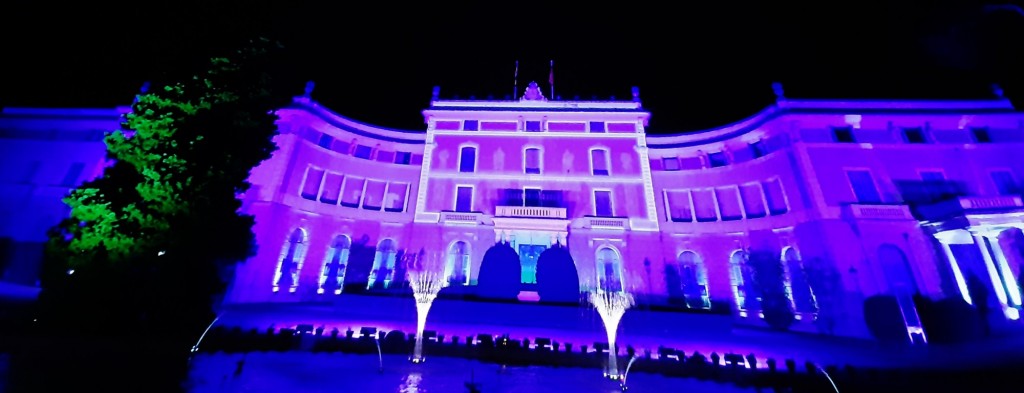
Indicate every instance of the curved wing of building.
{"type": "Point", "coordinates": [810, 206]}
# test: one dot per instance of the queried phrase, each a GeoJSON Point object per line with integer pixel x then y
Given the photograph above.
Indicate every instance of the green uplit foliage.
{"type": "Point", "coordinates": [161, 226]}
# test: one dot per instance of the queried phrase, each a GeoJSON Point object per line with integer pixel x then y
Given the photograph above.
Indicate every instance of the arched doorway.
{"type": "Point", "coordinates": [383, 270]}
{"type": "Point", "coordinates": [499, 276]}
{"type": "Point", "coordinates": [800, 292]}
{"type": "Point", "coordinates": [902, 285]}
{"type": "Point", "coordinates": [335, 265]}
{"type": "Point", "coordinates": [557, 278]}
{"type": "Point", "coordinates": [609, 270]}
{"type": "Point", "coordinates": [744, 287]}
{"type": "Point", "coordinates": [694, 280]}
{"type": "Point", "coordinates": [457, 267]}
{"type": "Point", "coordinates": [290, 263]}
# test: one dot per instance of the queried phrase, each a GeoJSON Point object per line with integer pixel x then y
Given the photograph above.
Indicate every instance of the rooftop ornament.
{"type": "Point", "coordinates": [533, 93]}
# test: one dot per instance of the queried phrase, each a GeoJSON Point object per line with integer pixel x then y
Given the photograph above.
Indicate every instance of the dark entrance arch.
{"type": "Point", "coordinates": [557, 279]}
{"type": "Point", "coordinates": [499, 273]}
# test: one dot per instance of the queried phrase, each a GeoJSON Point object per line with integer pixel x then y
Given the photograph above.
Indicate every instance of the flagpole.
{"type": "Point", "coordinates": [551, 79]}
{"type": "Point", "coordinates": [515, 82]}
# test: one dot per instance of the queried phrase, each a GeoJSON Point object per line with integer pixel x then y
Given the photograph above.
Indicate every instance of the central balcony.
{"type": "Point", "coordinates": [530, 212]}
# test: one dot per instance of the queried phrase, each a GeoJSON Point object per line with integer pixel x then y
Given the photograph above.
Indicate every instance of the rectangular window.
{"type": "Point", "coordinates": [599, 162]}
{"type": "Point", "coordinates": [363, 151]}
{"type": "Point", "coordinates": [597, 126]}
{"type": "Point", "coordinates": [325, 141]}
{"type": "Point", "coordinates": [470, 125]}
{"type": "Point", "coordinates": [394, 201]}
{"type": "Point", "coordinates": [776, 196]}
{"type": "Point", "coordinates": [74, 172]}
{"type": "Point", "coordinates": [532, 196]}
{"type": "Point", "coordinates": [933, 176]}
{"type": "Point", "coordinates": [718, 159]}
{"type": "Point", "coordinates": [704, 205]}
{"type": "Point", "coordinates": [373, 197]}
{"type": "Point", "coordinates": [934, 186]}
{"type": "Point", "coordinates": [728, 203]}
{"type": "Point", "coordinates": [533, 126]}
{"type": "Point", "coordinates": [914, 135]}
{"type": "Point", "coordinates": [311, 188]}
{"type": "Point", "coordinates": [671, 163]}
{"type": "Point", "coordinates": [402, 157]}
{"type": "Point", "coordinates": [332, 188]}
{"type": "Point", "coordinates": [464, 199]}
{"type": "Point", "coordinates": [532, 160]}
{"type": "Point", "coordinates": [864, 187]}
{"type": "Point", "coordinates": [757, 149]}
{"type": "Point", "coordinates": [467, 159]}
{"type": "Point", "coordinates": [352, 192]}
{"type": "Point", "coordinates": [843, 134]}
{"type": "Point", "coordinates": [603, 203]}
{"type": "Point", "coordinates": [1005, 183]}
{"type": "Point", "coordinates": [551, 198]}
{"type": "Point", "coordinates": [753, 200]}
{"type": "Point", "coordinates": [981, 135]}
{"type": "Point", "coordinates": [385, 156]}
{"type": "Point", "coordinates": [512, 197]}
{"type": "Point", "coordinates": [679, 205]}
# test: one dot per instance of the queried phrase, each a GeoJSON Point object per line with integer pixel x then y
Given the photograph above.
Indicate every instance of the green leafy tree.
{"type": "Point", "coordinates": [151, 244]}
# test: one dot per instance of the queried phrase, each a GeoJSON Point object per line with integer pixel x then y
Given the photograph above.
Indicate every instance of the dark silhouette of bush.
{"type": "Point", "coordinates": [674, 283]}
{"type": "Point", "coordinates": [949, 320]}
{"type": "Point", "coordinates": [884, 319]}
{"type": "Point", "coordinates": [500, 273]}
{"type": "Point", "coordinates": [769, 276]}
{"type": "Point", "coordinates": [557, 279]}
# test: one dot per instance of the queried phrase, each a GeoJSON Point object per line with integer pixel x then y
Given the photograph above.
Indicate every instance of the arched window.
{"type": "Point", "coordinates": [897, 270]}
{"type": "Point", "coordinates": [290, 262]}
{"type": "Point", "coordinates": [902, 285]}
{"type": "Point", "coordinates": [335, 264]}
{"type": "Point", "coordinates": [797, 286]}
{"type": "Point", "coordinates": [457, 268]}
{"type": "Point", "coordinates": [694, 280]}
{"type": "Point", "coordinates": [743, 286]}
{"type": "Point", "coordinates": [609, 270]}
{"type": "Point", "coordinates": [383, 270]}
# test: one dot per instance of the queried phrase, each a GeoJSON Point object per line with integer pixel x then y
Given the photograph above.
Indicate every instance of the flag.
{"type": "Point", "coordinates": [551, 75]}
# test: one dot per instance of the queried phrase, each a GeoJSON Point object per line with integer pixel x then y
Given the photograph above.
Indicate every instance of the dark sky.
{"type": "Point", "coordinates": [697, 66]}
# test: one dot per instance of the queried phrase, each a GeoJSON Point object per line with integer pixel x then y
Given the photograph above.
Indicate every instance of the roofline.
{"type": "Point", "coordinates": [827, 106]}
{"type": "Point", "coordinates": [70, 113]}
{"type": "Point", "coordinates": [356, 127]}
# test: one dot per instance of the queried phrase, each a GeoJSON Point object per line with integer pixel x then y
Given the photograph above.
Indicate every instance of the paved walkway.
{"type": "Point", "coordinates": [642, 329]}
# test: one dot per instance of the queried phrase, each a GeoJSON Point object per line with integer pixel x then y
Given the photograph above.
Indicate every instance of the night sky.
{"type": "Point", "coordinates": [697, 66]}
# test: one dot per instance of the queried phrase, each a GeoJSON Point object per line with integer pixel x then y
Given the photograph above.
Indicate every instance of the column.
{"type": "Point", "coordinates": [993, 274]}
{"type": "Point", "coordinates": [1004, 268]}
{"type": "Point", "coordinates": [945, 238]}
{"type": "Point", "coordinates": [1008, 282]}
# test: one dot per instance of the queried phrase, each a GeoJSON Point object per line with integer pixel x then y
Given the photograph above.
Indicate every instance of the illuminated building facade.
{"type": "Point", "coordinates": [825, 203]}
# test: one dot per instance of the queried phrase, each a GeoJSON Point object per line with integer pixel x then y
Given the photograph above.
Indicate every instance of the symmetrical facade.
{"type": "Point", "coordinates": [850, 199]}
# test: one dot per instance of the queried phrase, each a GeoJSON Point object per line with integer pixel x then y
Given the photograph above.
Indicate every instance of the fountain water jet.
{"type": "Point", "coordinates": [426, 280]}
{"type": "Point", "coordinates": [611, 306]}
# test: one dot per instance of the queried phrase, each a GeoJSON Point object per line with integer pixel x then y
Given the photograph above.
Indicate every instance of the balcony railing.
{"type": "Point", "coordinates": [607, 222]}
{"type": "Point", "coordinates": [990, 202]}
{"type": "Point", "coordinates": [463, 218]}
{"type": "Point", "coordinates": [530, 212]}
{"type": "Point", "coordinates": [881, 212]}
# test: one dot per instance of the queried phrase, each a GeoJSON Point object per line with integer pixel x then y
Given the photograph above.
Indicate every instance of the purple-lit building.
{"type": "Point", "coordinates": [848, 199]}
{"type": "Point", "coordinates": [44, 153]}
